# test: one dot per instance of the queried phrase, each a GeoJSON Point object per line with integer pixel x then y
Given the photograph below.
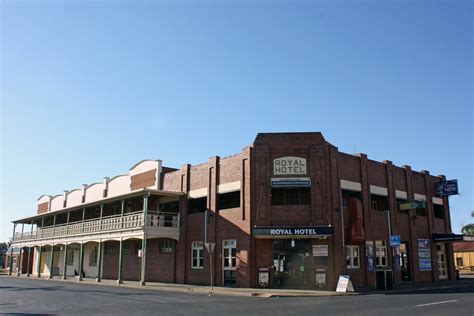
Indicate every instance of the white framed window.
{"type": "Point", "coordinates": [166, 246]}
{"type": "Point", "coordinates": [352, 257]}
{"type": "Point", "coordinates": [229, 256]}
{"type": "Point", "coordinates": [380, 253]}
{"type": "Point", "coordinates": [197, 255]}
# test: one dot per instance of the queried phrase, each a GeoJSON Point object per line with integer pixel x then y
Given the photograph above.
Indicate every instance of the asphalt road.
{"type": "Point", "coordinates": [41, 297]}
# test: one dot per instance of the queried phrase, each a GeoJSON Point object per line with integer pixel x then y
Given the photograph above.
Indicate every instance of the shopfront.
{"type": "Point", "coordinates": [297, 260]}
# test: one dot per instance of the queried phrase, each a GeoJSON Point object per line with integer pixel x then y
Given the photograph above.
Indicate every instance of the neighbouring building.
{"type": "Point", "coordinates": [464, 256]}
{"type": "Point", "coordinates": [289, 210]}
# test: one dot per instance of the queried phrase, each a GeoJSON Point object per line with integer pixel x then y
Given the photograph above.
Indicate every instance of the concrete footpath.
{"type": "Point", "coordinates": [262, 292]}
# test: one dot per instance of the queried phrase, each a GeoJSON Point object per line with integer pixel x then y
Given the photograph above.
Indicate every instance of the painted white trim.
{"type": "Point", "coordinates": [401, 194]}
{"type": "Point", "coordinates": [378, 190]}
{"type": "Point", "coordinates": [350, 185]}
{"type": "Point", "coordinates": [420, 197]}
{"type": "Point", "coordinates": [438, 201]}
{"type": "Point", "coordinates": [228, 187]}
{"type": "Point", "coordinates": [194, 194]}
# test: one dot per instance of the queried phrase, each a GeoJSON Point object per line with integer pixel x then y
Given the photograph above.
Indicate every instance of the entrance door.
{"type": "Point", "coordinates": [405, 261]}
{"type": "Point", "coordinates": [441, 254]}
{"type": "Point", "coordinates": [292, 263]}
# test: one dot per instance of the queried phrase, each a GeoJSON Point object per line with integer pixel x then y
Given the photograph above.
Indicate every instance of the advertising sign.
{"type": "Point", "coordinates": [424, 255]}
{"type": "Point", "coordinates": [292, 232]}
{"type": "Point", "coordinates": [369, 255]}
{"type": "Point", "coordinates": [320, 250]}
{"type": "Point", "coordinates": [444, 188]}
{"type": "Point", "coordinates": [412, 205]}
{"type": "Point", "coordinates": [344, 284]}
{"type": "Point", "coordinates": [291, 182]}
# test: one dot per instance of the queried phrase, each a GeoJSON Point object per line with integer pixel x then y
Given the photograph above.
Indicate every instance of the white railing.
{"type": "Point", "coordinates": [106, 224]}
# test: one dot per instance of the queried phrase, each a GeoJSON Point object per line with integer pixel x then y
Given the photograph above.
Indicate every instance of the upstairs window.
{"type": "Point", "coordinates": [401, 201]}
{"type": "Point", "coordinates": [291, 196]}
{"type": "Point", "coordinates": [346, 194]}
{"type": "Point", "coordinates": [438, 211]}
{"type": "Point", "coordinates": [229, 200]}
{"type": "Point", "coordinates": [379, 202]}
{"type": "Point", "coordinates": [198, 205]}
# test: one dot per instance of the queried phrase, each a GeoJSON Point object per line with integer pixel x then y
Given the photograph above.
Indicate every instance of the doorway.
{"type": "Point", "coordinates": [292, 263]}
{"type": "Point", "coordinates": [441, 254]}
{"type": "Point", "coordinates": [405, 262]}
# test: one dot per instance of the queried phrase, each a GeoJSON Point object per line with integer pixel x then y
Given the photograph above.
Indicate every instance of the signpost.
{"type": "Point", "coordinates": [210, 247]}
{"type": "Point", "coordinates": [446, 188]}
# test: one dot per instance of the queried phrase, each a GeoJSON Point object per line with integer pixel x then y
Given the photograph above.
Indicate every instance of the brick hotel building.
{"type": "Point", "coordinates": [289, 211]}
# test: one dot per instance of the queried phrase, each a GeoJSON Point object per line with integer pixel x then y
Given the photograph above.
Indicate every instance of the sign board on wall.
{"type": "Point", "coordinates": [449, 187]}
{"type": "Point", "coordinates": [394, 240]}
{"type": "Point", "coordinates": [424, 255]}
{"type": "Point", "coordinates": [289, 165]}
{"type": "Point", "coordinates": [320, 250]}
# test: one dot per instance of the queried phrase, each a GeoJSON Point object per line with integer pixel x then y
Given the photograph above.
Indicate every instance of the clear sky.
{"type": "Point", "coordinates": [88, 88]}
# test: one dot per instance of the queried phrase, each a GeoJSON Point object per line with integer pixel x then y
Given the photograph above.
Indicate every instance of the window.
{"type": "Point", "coordinates": [109, 248]}
{"type": "Point", "coordinates": [93, 257]}
{"type": "Point", "coordinates": [166, 246]}
{"type": "Point", "coordinates": [229, 200]}
{"type": "Point", "coordinates": [124, 247]}
{"type": "Point", "coordinates": [380, 253]}
{"type": "Point", "coordinates": [459, 262]}
{"type": "Point", "coordinates": [438, 211]}
{"type": "Point", "coordinates": [197, 251]}
{"type": "Point", "coordinates": [421, 212]}
{"type": "Point", "coordinates": [378, 202]}
{"type": "Point", "coordinates": [70, 257]}
{"type": "Point", "coordinates": [291, 196]}
{"type": "Point", "coordinates": [198, 205]}
{"type": "Point", "coordinates": [352, 257]}
{"type": "Point", "coordinates": [350, 194]}
{"type": "Point", "coordinates": [229, 256]}
{"type": "Point", "coordinates": [138, 246]}
{"type": "Point", "coordinates": [400, 201]}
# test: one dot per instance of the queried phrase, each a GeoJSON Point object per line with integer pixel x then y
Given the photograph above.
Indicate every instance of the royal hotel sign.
{"type": "Point", "coordinates": [289, 166]}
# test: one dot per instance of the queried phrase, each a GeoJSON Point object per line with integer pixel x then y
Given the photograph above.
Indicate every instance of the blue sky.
{"type": "Point", "coordinates": [88, 88]}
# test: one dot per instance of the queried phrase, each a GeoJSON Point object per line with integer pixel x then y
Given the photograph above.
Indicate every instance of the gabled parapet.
{"type": "Point", "coordinates": [145, 174]}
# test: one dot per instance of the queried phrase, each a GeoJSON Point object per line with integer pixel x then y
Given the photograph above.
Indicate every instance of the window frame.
{"type": "Point", "coordinates": [197, 246]}
{"type": "Point", "coordinates": [381, 254]}
{"type": "Point", "coordinates": [350, 256]}
{"type": "Point", "coordinates": [227, 246]}
{"type": "Point", "coordinates": [164, 243]}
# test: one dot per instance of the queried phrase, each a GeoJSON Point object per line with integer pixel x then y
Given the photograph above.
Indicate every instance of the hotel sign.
{"type": "Point", "coordinates": [293, 232]}
{"type": "Point", "coordinates": [289, 165]}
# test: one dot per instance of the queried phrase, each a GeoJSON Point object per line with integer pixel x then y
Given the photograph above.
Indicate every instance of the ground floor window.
{"type": "Point", "coordinates": [380, 253]}
{"type": "Point", "coordinates": [352, 257]}
{"type": "Point", "coordinates": [109, 248]}
{"type": "Point", "coordinates": [459, 262]}
{"type": "Point", "coordinates": [166, 246]}
{"type": "Point", "coordinates": [197, 259]}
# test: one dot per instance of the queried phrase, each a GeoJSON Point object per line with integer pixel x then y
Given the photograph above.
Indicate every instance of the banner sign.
{"type": "Point", "coordinates": [424, 255]}
{"type": "Point", "coordinates": [291, 182]}
{"type": "Point", "coordinates": [412, 205]}
{"type": "Point", "coordinates": [293, 232]}
{"type": "Point", "coordinates": [444, 188]}
{"type": "Point", "coordinates": [369, 255]}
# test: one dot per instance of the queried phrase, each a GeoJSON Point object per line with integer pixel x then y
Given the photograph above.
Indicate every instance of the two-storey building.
{"type": "Point", "coordinates": [290, 210]}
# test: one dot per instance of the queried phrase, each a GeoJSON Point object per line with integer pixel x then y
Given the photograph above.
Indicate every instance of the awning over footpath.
{"type": "Point", "coordinates": [452, 237]}
{"type": "Point", "coordinates": [463, 246]}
